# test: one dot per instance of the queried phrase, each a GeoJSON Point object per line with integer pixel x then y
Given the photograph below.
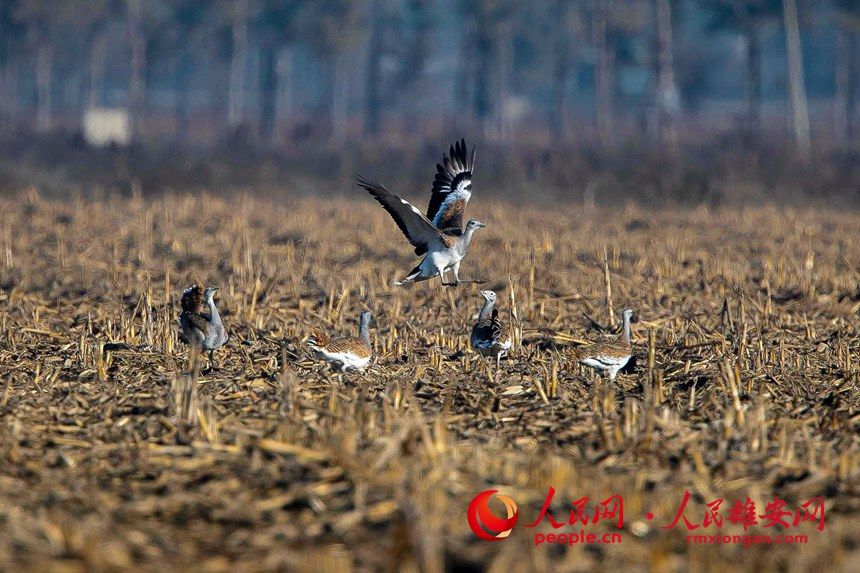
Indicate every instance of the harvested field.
{"type": "Point", "coordinates": [113, 455]}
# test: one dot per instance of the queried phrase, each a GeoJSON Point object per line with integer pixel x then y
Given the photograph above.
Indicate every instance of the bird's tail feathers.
{"type": "Point", "coordinates": [318, 339]}
{"type": "Point", "coordinates": [413, 274]}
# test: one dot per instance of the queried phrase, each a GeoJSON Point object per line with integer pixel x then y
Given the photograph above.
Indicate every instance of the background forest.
{"type": "Point", "coordinates": [701, 100]}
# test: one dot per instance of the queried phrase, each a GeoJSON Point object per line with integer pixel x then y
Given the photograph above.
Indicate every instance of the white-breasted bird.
{"type": "Point", "coordinates": [490, 337]}
{"type": "Point", "coordinates": [438, 235]}
{"type": "Point", "coordinates": [345, 354]}
{"type": "Point", "coordinates": [608, 356]}
{"type": "Point", "coordinates": [200, 323]}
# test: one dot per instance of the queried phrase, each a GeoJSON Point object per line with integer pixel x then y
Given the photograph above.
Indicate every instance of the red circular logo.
{"type": "Point", "coordinates": [487, 525]}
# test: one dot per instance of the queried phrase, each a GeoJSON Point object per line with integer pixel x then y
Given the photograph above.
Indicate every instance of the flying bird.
{"type": "Point", "coordinates": [439, 235]}
{"type": "Point", "coordinates": [490, 337]}
{"type": "Point", "coordinates": [608, 356]}
{"type": "Point", "coordinates": [200, 323]}
{"type": "Point", "coordinates": [345, 354]}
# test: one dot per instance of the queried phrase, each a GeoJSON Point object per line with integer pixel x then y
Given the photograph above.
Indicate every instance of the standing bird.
{"type": "Point", "coordinates": [350, 353]}
{"type": "Point", "coordinates": [609, 356]}
{"type": "Point", "coordinates": [489, 335]}
{"type": "Point", "coordinates": [199, 322]}
{"type": "Point", "coordinates": [438, 235]}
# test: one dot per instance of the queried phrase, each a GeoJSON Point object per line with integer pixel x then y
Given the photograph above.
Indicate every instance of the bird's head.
{"type": "Point", "coordinates": [474, 224]}
{"type": "Point", "coordinates": [209, 293]}
{"type": "Point", "coordinates": [489, 295]}
{"type": "Point", "coordinates": [627, 314]}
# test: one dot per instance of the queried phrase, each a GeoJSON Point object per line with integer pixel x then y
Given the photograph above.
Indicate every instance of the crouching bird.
{"type": "Point", "coordinates": [200, 323]}
{"type": "Point", "coordinates": [490, 337]}
{"type": "Point", "coordinates": [608, 356]}
{"type": "Point", "coordinates": [439, 235]}
{"type": "Point", "coordinates": [345, 354]}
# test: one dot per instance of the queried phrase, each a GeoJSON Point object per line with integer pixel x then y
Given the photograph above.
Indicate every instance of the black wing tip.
{"type": "Point", "coordinates": [460, 151]}
{"type": "Point", "coordinates": [461, 158]}
{"type": "Point", "coordinates": [368, 184]}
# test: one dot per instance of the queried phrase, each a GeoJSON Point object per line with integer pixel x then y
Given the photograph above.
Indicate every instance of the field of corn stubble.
{"type": "Point", "coordinates": [114, 454]}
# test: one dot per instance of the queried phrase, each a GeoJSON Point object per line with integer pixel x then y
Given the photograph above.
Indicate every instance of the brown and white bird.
{"type": "Point", "coordinates": [345, 354]}
{"type": "Point", "coordinates": [490, 337]}
{"type": "Point", "coordinates": [439, 235]}
{"type": "Point", "coordinates": [200, 323]}
{"type": "Point", "coordinates": [609, 356]}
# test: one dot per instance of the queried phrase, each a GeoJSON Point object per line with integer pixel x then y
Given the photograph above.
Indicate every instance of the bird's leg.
{"type": "Point", "coordinates": [212, 365]}
{"type": "Point", "coordinates": [459, 280]}
{"type": "Point", "coordinates": [442, 278]}
{"type": "Point", "coordinates": [595, 389]}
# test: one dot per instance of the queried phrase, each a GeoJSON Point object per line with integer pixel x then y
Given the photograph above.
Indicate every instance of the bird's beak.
{"type": "Point", "coordinates": [481, 225]}
{"type": "Point", "coordinates": [215, 289]}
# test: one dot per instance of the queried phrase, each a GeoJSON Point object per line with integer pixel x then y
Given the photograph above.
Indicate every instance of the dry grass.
{"type": "Point", "coordinates": [112, 457]}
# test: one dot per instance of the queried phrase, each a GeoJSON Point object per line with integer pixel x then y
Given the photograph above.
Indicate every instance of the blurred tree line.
{"type": "Point", "coordinates": [285, 72]}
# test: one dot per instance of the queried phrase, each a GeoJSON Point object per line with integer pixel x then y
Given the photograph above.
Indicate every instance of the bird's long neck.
{"type": "Point", "coordinates": [364, 329]}
{"type": "Point", "coordinates": [213, 311]}
{"type": "Point", "coordinates": [486, 310]}
{"type": "Point", "coordinates": [466, 239]}
{"type": "Point", "coordinates": [626, 335]}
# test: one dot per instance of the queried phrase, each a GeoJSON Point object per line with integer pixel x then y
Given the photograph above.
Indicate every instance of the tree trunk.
{"type": "Point", "coordinates": [268, 92]}
{"type": "Point", "coordinates": [235, 108]}
{"type": "Point", "coordinates": [44, 84]}
{"type": "Point", "coordinates": [483, 57]}
{"type": "Point", "coordinates": [284, 102]}
{"type": "Point", "coordinates": [502, 124]}
{"type": "Point", "coordinates": [603, 75]}
{"type": "Point", "coordinates": [96, 50]}
{"type": "Point", "coordinates": [340, 97]}
{"type": "Point", "coordinates": [464, 82]}
{"type": "Point", "coordinates": [8, 92]}
{"type": "Point", "coordinates": [181, 109]}
{"type": "Point", "coordinates": [136, 87]}
{"type": "Point", "coordinates": [372, 103]}
{"type": "Point", "coordinates": [796, 87]}
{"type": "Point", "coordinates": [752, 78]}
{"type": "Point", "coordinates": [844, 98]}
{"type": "Point", "coordinates": [667, 98]}
{"type": "Point", "coordinates": [558, 114]}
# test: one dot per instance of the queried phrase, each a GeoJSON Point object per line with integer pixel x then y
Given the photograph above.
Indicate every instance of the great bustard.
{"type": "Point", "coordinates": [609, 356]}
{"type": "Point", "coordinates": [438, 235]}
{"type": "Point", "coordinates": [350, 353]}
{"type": "Point", "coordinates": [200, 323]}
{"type": "Point", "coordinates": [489, 335]}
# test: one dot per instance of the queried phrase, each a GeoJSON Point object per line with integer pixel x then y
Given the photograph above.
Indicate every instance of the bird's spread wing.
{"type": "Point", "coordinates": [452, 187]}
{"type": "Point", "coordinates": [417, 228]}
